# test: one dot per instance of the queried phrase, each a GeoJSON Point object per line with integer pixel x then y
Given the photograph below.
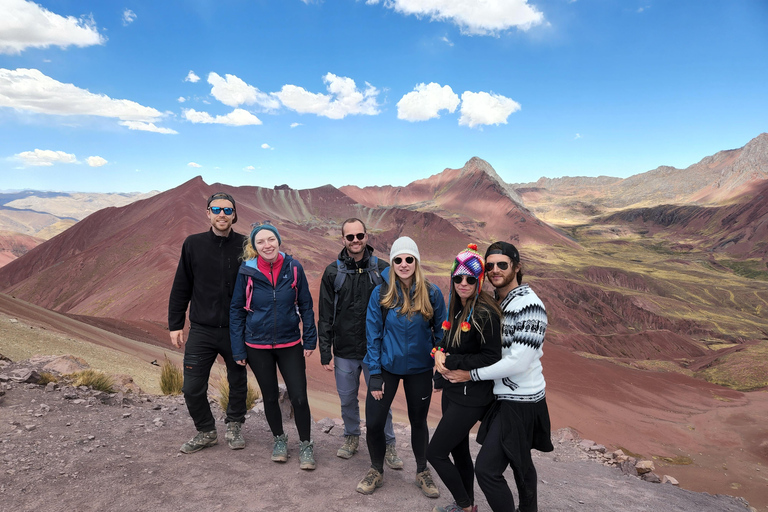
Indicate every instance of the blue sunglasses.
{"type": "Point", "coordinates": [218, 209]}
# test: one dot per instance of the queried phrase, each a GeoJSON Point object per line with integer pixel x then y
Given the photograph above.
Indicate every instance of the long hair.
{"type": "Point", "coordinates": [249, 251]}
{"type": "Point", "coordinates": [480, 306]}
{"type": "Point", "coordinates": [395, 295]}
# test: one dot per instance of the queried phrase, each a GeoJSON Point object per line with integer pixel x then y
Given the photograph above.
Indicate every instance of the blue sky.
{"type": "Point", "coordinates": [107, 97]}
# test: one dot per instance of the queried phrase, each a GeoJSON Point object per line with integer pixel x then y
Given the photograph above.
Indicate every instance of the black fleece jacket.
{"type": "Point", "coordinates": [205, 280]}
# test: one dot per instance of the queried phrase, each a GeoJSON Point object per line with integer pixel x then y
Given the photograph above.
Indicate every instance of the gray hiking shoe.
{"type": "Point", "coordinates": [391, 458]}
{"type": "Point", "coordinates": [426, 484]}
{"type": "Point", "coordinates": [200, 441]}
{"type": "Point", "coordinates": [234, 435]}
{"type": "Point", "coordinates": [370, 482]}
{"type": "Point", "coordinates": [307, 455]}
{"type": "Point", "coordinates": [349, 448]}
{"type": "Point", "coordinates": [280, 451]}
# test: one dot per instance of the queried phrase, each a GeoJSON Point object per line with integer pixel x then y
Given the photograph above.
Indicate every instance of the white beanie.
{"type": "Point", "coordinates": [404, 245]}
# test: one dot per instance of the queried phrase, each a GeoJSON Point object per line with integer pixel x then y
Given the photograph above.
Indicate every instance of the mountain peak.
{"type": "Point", "coordinates": [476, 164]}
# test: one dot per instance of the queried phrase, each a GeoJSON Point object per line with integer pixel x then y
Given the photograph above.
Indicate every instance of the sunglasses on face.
{"type": "Point", "coordinates": [218, 209]}
{"type": "Point", "coordinates": [503, 265]}
{"type": "Point", "coordinates": [351, 238]}
{"type": "Point", "coordinates": [471, 280]}
{"type": "Point", "coordinates": [408, 259]}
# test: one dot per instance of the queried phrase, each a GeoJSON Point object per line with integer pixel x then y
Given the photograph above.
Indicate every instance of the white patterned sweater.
{"type": "Point", "coordinates": [518, 374]}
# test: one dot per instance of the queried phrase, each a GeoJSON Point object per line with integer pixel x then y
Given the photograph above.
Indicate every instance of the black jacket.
{"type": "Point", "coordinates": [347, 334]}
{"type": "Point", "coordinates": [472, 352]}
{"type": "Point", "coordinates": [205, 280]}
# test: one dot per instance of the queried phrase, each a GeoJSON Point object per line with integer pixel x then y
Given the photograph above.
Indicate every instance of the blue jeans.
{"type": "Point", "coordinates": [347, 372]}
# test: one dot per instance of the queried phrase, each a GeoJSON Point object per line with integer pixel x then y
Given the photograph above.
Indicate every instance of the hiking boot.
{"type": "Point", "coordinates": [453, 507]}
{"type": "Point", "coordinates": [200, 441]}
{"type": "Point", "coordinates": [426, 484]}
{"type": "Point", "coordinates": [280, 451]}
{"type": "Point", "coordinates": [349, 448]}
{"type": "Point", "coordinates": [307, 455]}
{"type": "Point", "coordinates": [370, 482]}
{"type": "Point", "coordinates": [234, 437]}
{"type": "Point", "coordinates": [391, 457]}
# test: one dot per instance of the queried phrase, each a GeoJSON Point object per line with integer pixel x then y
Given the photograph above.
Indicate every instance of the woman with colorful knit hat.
{"type": "Point", "coordinates": [402, 327]}
{"type": "Point", "coordinates": [272, 326]}
{"type": "Point", "coordinates": [472, 340]}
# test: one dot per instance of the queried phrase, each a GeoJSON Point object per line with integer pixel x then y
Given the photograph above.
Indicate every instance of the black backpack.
{"type": "Point", "coordinates": [373, 274]}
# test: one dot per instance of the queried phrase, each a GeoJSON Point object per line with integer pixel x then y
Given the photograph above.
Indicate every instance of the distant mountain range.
{"type": "Point", "coordinates": [663, 270]}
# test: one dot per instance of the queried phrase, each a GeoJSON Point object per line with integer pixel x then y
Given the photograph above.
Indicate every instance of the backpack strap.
{"type": "Point", "coordinates": [248, 294]}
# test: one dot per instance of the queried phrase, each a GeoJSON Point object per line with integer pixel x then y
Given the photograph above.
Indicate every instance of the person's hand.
{"type": "Point", "coordinates": [378, 395]}
{"type": "Point", "coordinates": [308, 353]}
{"type": "Point", "coordinates": [177, 338]}
{"type": "Point", "coordinates": [376, 385]}
{"type": "Point", "coordinates": [440, 361]}
{"type": "Point", "coordinates": [457, 376]}
{"type": "Point", "coordinates": [328, 367]}
{"type": "Point", "coordinates": [241, 362]}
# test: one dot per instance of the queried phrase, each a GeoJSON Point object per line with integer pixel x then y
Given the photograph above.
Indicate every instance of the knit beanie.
{"type": "Point", "coordinates": [268, 227]}
{"type": "Point", "coordinates": [404, 245]}
{"type": "Point", "coordinates": [226, 197]}
{"type": "Point", "coordinates": [469, 263]}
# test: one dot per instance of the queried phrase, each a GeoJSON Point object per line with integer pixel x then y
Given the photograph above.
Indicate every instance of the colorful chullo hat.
{"type": "Point", "coordinates": [468, 262]}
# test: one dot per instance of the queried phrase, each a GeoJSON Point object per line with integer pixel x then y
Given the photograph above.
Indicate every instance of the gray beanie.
{"type": "Point", "coordinates": [404, 245]}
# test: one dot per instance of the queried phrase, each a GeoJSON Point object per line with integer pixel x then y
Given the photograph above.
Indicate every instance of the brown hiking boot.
{"type": "Point", "coordinates": [426, 484]}
{"type": "Point", "coordinates": [349, 448]}
{"type": "Point", "coordinates": [234, 435]}
{"type": "Point", "coordinates": [391, 458]}
{"type": "Point", "coordinates": [370, 482]}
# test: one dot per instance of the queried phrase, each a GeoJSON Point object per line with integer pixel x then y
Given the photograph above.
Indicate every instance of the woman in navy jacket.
{"type": "Point", "coordinates": [402, 326]}
{"type": "Point", "coordinates": [271, 297]}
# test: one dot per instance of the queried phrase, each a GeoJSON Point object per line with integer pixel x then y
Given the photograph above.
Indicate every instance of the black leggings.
{"type": "Point", "coordinates": [418, 395]}
{"type": "Point", "coordinates": [451, 437]}
{"type": "Point", "coordinates": [264, 363]}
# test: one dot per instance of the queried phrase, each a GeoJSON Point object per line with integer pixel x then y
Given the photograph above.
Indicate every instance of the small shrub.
{"type": "Point", "coordinates": [222, 389]}
{"type": "Point", "coordinates": [94, 379]}
{"type": "Point", "coordinates": [46, 377]}
{"type": "Point", "coordinates": [171, 378]}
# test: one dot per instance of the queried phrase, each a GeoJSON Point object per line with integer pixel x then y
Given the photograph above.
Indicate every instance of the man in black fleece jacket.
{"type": "Point", "coordinates": [205, 279]}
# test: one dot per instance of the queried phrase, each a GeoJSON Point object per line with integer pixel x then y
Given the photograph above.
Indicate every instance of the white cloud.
{"type": "Point", "coordinates": [25, 24]}
{"type": "Point", "coordinates": [181, 99]}
{"type": "Point", "coordinates": [578, 136]}
{"type": "Point", "coordinates": [147, 127]}
{"type": "Point", "coordinates": [237, 117]}
{"type": "Point", "coordinates": [479, 108]}
{"type": "Point", "coordinates": [191, 77]}
{"type": "Point", "coordinates": [294, 125]}
{"type": "Point", "coordinates": [266, 146]}
{"type": "Point", "coordinates": [128, 17]}
{"type": "Point", "coordinates": [426, 101]}
{"type": "Point", "coordinates": [96, 161]}
{"type": "Point", "coordinates": [233, 92]}
{"type": "Point", "coordinates": [344, 98]}
{"type": "Point", "coordinates": [250, 168]}
{"type": "Point", "coordinates": [195, 165]}
{"type": "Point", "coordinates": [446, 40]}
{"type": "Point", "coordinates": [32, 91]}
{"type": "Point", "coordinates": [45, 158]}
{"type": "Point", "coordinates": [481, 17]}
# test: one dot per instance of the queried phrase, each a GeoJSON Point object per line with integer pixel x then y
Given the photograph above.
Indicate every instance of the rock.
{"type": "Point", "coordinates": [597, 448]}
{"type": "Point", "coordinates": [66, 364]}
{"type": "Point", "coordinates": [50, 387]}
{"type": "Point", "coordinates": [586, 444]}
{"type": "Point", "coordinates": [285, 403]}
{"type": "Point", "coordinates": [326, 424]}
{"type": "Point", "coordinates": [567, 434]}
{"type": "Point", "coordinates": [25, 375]}
{"type": "Point", "coordinates": [628, 468]}
{"type": "Point", "coordinates": [4, 377]}
{"type": "Point", "coordinates": [666, 479]}
{"type": "Point", "coordinates": [651, 477]}
{"type": "Point", "coordinates": [644, 466]}
{"type": "Point", "coordinates": [158, 422]}
{"type": "Point", "coordinates": [126, 384]}
{"type": "Point", "coordinates": [126, 415]}
{"type": "Point", "coordinates": [69, 393]}
{"type": "Point", "coordinates": [30, 428]}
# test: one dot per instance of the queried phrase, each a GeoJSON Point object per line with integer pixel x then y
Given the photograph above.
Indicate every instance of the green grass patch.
{"type": "Point", "coordinates": [171, 378]}
{"type": "Point", "coordinates": [221, 385]}
{"type": "Point", "coordinates": [742, 371]}
{"type": "Point", "coordinates": [630, 453]}
{"type": "Point", "coordinates": [750, 269]}
{"type": "Point", "coordinates": [46, 377]}
{"type": "Point", "coordinates": [680, 460]}
{"type": "Point", "coordinates": [93, 379]}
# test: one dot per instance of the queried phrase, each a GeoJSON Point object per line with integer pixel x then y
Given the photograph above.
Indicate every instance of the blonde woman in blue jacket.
{"type": "Point", "coordinates": [271, 298]}
{"type": "Point", "coordinates": [403, 325]}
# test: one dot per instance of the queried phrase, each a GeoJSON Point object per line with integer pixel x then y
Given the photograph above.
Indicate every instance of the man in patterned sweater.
{"type": "Point", "coordinates": [519, 420]}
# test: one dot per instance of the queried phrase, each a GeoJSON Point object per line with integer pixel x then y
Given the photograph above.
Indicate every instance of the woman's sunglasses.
{"type": "Point", "coordinates": [351, 238]}
{"type": "Point", "coordinates": [399, 260]}
{"type": "Point", "coordinates": [218, 209]}
{"type": "Point", "coordinates": [470, 279]}
{"type": "Point", "coordinates": [503, 265]}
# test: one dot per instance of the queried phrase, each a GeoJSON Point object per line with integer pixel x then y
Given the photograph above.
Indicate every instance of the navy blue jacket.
{"type": "Point", "coordinates": [401, 345]}
{"type": "Point", "coordinates": [275, 310]}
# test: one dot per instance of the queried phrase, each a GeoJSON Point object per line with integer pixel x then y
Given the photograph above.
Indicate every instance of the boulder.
{"type": "Point", "coordinates": [126, 384]}
{"type": "Point", "coordinates": [651, 477]}
{"type": "Point", "coordinates": [645, 466]}
{"type": "Point", "coordinates": [666, 479]}
{"type": "Point", "coordinates": [64, 365]}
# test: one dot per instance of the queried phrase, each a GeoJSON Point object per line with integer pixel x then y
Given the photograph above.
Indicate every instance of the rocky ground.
{"type": "Point", "coordinates": [66, 448]}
